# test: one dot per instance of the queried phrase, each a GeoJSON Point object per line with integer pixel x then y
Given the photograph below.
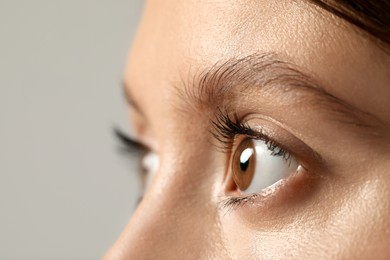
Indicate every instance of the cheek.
{"type": "Point", "coordinates": [238, 237]}
{"type": "Point", "coordinates": [339, 220]}
{"type": "Point", "coordinates": [250, 242]}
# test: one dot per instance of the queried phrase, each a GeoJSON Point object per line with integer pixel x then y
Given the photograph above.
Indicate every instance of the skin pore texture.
{"type": "Point", "coordinates": [314, 84]}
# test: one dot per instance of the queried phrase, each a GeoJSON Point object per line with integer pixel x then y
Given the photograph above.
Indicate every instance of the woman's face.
{"type": "Point", "coordinates": [271, 123]}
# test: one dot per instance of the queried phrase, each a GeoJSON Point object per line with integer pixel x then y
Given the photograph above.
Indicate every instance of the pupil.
{"type": "Point", "coordinates": [244, 165]}
{"type": "Point", "coordinates": [244, 159]}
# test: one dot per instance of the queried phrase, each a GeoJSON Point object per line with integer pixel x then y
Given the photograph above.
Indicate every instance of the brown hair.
{"type": "Point", "coordinates": [372, 16]}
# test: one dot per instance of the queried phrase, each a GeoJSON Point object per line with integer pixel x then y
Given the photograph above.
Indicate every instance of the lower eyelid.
{"type": "Point", "coordinates": [280, 200]}
{"type": "Point", "coordinates": [235, 201]}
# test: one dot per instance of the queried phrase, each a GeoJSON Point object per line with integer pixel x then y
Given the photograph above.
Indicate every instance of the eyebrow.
{"type": "Point", "coordinates": [265, 72]}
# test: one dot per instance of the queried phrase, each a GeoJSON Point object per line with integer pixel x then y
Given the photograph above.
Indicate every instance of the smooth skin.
{"type": "Point", "coordinates": [337, 208]}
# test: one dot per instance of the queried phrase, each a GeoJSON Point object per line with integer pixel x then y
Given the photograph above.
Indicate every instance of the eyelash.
{"type": "Point", "coordinates": [129, 144]}
{"type": "Point", "coordinates": [227, 128]}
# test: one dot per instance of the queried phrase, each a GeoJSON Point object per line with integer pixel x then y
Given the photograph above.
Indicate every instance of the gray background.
{"type": "Point", "coordinates": [65, 191]}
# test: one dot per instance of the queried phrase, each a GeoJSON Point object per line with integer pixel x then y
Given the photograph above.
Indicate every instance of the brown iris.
{"type": "Point", "coordinates": [243, 164]}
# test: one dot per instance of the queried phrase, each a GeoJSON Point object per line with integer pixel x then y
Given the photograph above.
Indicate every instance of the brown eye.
{"type": "Point", "coordinates": [257, 165]}
{"type": "Point", "coordinates": [244, 164]}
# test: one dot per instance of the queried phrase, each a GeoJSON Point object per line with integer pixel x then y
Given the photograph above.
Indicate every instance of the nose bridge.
{"type": "Point", "coordinates": [177, 218]}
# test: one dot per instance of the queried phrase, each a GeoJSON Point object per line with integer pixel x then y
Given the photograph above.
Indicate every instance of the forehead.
{"type": "Point", "coordinates": [205, 32]}
{"type": "Point", "coordinates": [179, 38]}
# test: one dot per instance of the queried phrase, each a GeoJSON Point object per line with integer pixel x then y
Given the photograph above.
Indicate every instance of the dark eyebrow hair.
{"type": "Point", "coordinates": [213, 87]}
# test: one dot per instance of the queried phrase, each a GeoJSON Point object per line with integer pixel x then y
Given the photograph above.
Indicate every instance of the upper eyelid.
{"type": "Point", "coordinates": [265, 130]}
{"type": "Point", "coordinates": [226, 129]}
